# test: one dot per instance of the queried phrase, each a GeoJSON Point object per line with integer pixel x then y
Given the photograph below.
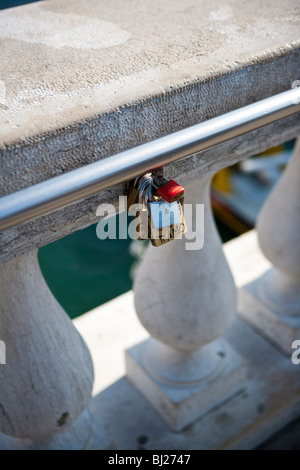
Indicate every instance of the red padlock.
{"type": "Point", "coordinates": [170, 191]}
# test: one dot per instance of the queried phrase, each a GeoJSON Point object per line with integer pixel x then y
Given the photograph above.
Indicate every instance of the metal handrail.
{"type": "Point", "coordinates": [70, 187]}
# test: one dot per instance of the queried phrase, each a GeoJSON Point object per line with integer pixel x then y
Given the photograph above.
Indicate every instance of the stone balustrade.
{"type": "Point", "coordinates": [108, 81]}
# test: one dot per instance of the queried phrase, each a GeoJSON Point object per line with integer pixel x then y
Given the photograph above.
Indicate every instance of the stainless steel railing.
{"type": "Point", "coordinates": [61, 190]}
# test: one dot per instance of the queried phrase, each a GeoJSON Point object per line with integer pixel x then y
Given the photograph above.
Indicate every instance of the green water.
{"type": "Point", "coordinates": [84, 272]}
{"type": "Point", "coordinates": [14, 3]}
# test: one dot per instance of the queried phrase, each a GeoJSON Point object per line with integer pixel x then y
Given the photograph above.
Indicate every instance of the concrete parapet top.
{"type": "Point", "coordinates": [67, 61]}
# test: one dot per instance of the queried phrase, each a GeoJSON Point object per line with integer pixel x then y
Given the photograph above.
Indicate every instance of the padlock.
{"type": "Point", "coordinates": [142, 216]}
{"type": "Point", "coordinates": [166, 221]}
{"type": "Point", "coordinates": [132, 196]}
{"type": "Point", "coordinates": [168, 190]}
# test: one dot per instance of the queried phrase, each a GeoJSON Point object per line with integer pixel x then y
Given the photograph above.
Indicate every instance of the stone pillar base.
{"type": "Point", "coordinates": [277, 324]}
{"type": "Point", "coordinates": [86, 433]}
{"type": "Point", "coordinates": [207, 378]}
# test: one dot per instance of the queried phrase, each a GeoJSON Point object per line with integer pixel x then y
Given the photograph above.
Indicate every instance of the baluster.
{"type": "Point", "coordinates": [272, 302]}
{"type": "Point", "coordinates": [47, 380]}
{"type": "Point", "coordinates": [186, 300]}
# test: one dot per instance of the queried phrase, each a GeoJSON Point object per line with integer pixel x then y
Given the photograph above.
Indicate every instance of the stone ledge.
{"type": "Point", "coordinates": [121, 58]}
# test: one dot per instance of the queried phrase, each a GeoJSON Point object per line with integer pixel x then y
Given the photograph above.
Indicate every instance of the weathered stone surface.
{"type": "Point", "coordinates": [80, 81]}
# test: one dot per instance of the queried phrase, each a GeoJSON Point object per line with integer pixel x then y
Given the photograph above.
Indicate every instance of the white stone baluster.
{"type": "Point", "coordinates": [272, 302]}
{"type": "Point", "coordinates": [186, 300]}
{"type": "Point", "coordinates": [46, 383]}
